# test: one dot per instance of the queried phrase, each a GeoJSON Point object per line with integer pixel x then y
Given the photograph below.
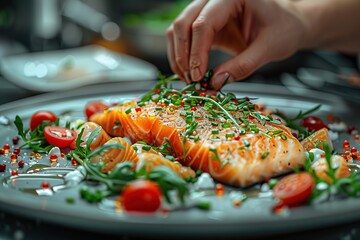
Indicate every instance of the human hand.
{"type": "Point", "coordinates": [255, 31]}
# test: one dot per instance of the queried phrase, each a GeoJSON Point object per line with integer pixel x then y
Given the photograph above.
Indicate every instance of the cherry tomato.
{"type": "Point", "coordinates": [94, 107]}
{"type": "Point", "coordinates": [141, 196]}
{"type": "Point", "coordinates": [294, 189]}
{"type": "Point", "coordinates": [313, 123]}
{"type": "Point", "coordinates": [58, 136]}
{"type": "Point", "coordinates": [40, 116]}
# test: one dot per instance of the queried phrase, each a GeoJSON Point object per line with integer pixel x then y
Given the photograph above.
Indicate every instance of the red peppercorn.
{"type": "Point", "coordinates": [53, 158]}
{"type": "Point", "coordinates": [16, 151]}
{"type": "Point", "coordinates": [357, 137]}
{"type": "Point", "coordinates": [2, 151]}
{"type": "Point", "coordinates": [219, 189]}
{"type": "Point", "coordinates": [236, 203]}
{"type": "Point", "coordinates": [351, 129]}
{"type": "Point", "coordinates": [74, 162]}
{"type": "Point", "coordinates": [6, 148]}
{"type": "Point", "coordinates": [353, 150]}
{"type": "Point", "coordinates": [237, 137]}
{"type": "Point", "coordinates": [45, 184]}
{"type": "Point", "coordinates": [330, 118]}
{"type": "Point", "coordinates": [14, 173]}
{"type": "Point", "coordinates": [157, 91]}
{"type": "Point", "coordinates": [202, 94]}
{"type": "Point", "coordinates": [138, 109]}
{"type": "Point", "coordinates": [2, 167]}
{"type": "Point", "coordinates": [205, 85]}
{"type": "Point", "coordinates": [266, 180]}
{"type": "Point", "coordinates": [21, 163]}
{"type": "Point", "coordinates": [346, 144]}
{"type": "Point", "coordinates": [14, 157]}
{"type": "Point", "coordinates": [193, 108]}
{"type": "Point", "coordinates": [62, 155]}
{"type": "Point", "coordinates": [251, 117]}
{"type": "Point", "coordinates": [15, 140]}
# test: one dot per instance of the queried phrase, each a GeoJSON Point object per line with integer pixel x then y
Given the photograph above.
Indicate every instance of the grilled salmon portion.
{"type": "Point", "coordinates": [141, 158]}
{"type": "Point", "coordinates": [89, 127]}
{"type": "Point", "coordinates": [321, 167]}
{"type": "Point", "coordinates": [315, 140]}
{"type": "Point", "coordinates": [233, 142]}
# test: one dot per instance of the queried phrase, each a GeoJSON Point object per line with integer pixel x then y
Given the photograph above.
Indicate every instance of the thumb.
{"type": "Point", "coordinates": [242, 65]}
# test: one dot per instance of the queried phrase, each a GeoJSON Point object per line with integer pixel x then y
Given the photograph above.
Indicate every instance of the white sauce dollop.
{"type": "Point", "coordinates": [317, 153]}
{"type": "Point", "coordinates": [333, 135]}
{"type": "Point", "coordinates": [204, 182]}
{"type": "Point", "coordinates": [338, 126]}
{"type": "Point", "coordinates": [75, 177]}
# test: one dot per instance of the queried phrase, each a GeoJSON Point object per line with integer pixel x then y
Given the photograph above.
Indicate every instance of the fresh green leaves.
{"type": "Point", "coordinates": [35, 139]}
{"type": "Point", "coordinates": [293, 122]}
{"type": "Point", "coordinates": [168, 180]}
{"type": "Point", "coordinates": [123, 173]}
{"type": "Point", "coordinates": [349, 186]}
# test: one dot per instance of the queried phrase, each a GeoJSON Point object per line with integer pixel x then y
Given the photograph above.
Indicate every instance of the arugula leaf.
{"type": "Point", "coordinates": [34, 139]}
{"type": "Point", "coordinates": [348, 186]}
{"type": "Point", "coordinates": [292, 122]}
{"type": "Point", "coordinates": [168, 180]}
{"type": "Point", "coordinates": [123, 173]}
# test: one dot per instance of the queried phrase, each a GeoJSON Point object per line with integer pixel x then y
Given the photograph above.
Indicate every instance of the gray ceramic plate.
{"type": "Point", "coordinates": [253, 218]}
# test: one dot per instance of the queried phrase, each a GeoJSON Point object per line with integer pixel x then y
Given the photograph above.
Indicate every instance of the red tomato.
{"type": "Point", "coordinates": [58, 136]}
{"type": "Point", "coordinates": [294, 189]}
{"type": "Point", "coordinates": [40, 116]}
{"type": "Point", "coordinates": [141, 196]}
{"type": "Point", "coordinates": [94, 107]}
{"type": "Point", "coordinates": [313, 123]}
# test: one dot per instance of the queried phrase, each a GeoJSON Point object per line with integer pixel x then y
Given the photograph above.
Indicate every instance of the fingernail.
{"type": "Point", "coordinates": [187, 77]}
{"type": "Point", "coordinates": [221, 79]}
{"type": "Point", "coordinates": [195, 74]}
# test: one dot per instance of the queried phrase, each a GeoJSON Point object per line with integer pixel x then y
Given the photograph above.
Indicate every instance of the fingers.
{"type": "Point", "coordinates": [171, 54]}
{"type": "Point", "coordinates": [204, 28]}
{"type": "Point", "coordinates": [242, 65]}
{"type": "Point", "coordinates": [179, 38]}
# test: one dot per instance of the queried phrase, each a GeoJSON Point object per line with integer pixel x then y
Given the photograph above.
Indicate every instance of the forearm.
{"type": "Point", "coordinates": [331, 24]}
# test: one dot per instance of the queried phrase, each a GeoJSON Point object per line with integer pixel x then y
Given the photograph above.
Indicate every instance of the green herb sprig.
{"type": "Point", "coordinates": [293, 122]}
{"type": "Point", "coordinates": [123, 173]}
{"type": "Point", "coordinates": [349, 186]}
{"type": "Point", "coordinates": [35, 139]}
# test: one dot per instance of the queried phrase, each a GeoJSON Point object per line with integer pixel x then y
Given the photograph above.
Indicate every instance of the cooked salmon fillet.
{"type": "Point", "coordinates": [239, 146]}
{"type": "Point", "coordinates": [321, 167]}
{"type": "Point", "coordinates": [316, 139]}
{"type": "Point", "coordinates": [88, 128]}
{"type": "Point", "coordinates": [141, 159]}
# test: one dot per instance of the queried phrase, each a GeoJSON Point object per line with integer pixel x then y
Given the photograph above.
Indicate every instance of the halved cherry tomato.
{"type": "Point", "coordinates": [94, 107]}
{"type": "Point", "coordinates": [40, 116]}
{"type": "Point", "coordinates": [313, 123]}
{"type": "Point", "coordinates": [294, 189]}
{"type": "Point", "coordinates": [141, 196]}
{"type": "Point", "coordinates": [58, 136]}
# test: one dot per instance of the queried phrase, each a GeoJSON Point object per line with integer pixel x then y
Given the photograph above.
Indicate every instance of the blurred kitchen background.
{"type": "Point", "coordinates": [134, 28]}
